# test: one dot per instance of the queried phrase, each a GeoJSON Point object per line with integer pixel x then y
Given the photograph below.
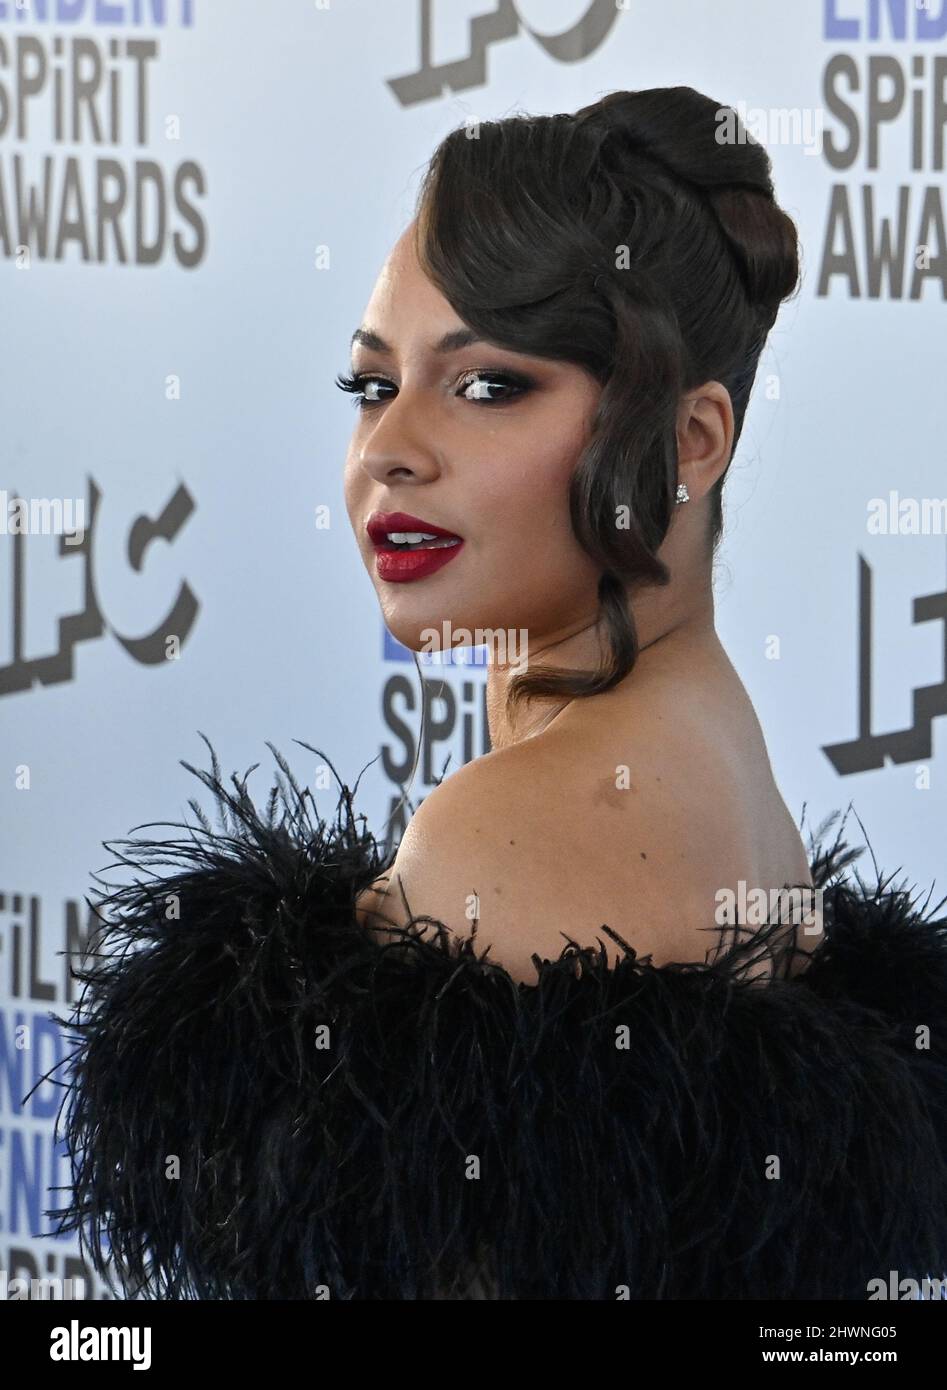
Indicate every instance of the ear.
{"type": "Point", "coordinates": [704, 436]}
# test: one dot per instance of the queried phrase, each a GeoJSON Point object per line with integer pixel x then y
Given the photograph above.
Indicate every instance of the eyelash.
{"type": "Point", "coordinates": [355, 383]}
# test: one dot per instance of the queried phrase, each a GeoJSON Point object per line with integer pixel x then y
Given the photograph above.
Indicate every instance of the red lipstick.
{"type": "Point", "coordinates": [429, 550]}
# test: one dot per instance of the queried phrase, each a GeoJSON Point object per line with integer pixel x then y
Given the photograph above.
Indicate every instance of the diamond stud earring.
{"type": "Point", "coordinates": [682, 494]}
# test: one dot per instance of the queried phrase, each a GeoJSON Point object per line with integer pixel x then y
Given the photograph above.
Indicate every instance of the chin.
{"type": "Point", "coordinates": [423, 637]}
{"type": "Point", "coordinates": [426, 628]}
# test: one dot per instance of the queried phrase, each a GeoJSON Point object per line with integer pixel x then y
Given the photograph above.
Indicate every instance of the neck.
{"type": "Point", "coordinates": [663, 634]}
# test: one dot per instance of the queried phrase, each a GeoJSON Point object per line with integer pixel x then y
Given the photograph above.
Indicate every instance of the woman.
{"type": "Point", "coordinates": [509, 1064]}
{"type": "Point", "coordinates": [578, 444]}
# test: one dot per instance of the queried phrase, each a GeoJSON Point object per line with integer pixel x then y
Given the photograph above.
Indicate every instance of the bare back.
{"type": "Point", "coordinates": [635, 809]}
{"type": "Point", "coordinates": [662, 797]}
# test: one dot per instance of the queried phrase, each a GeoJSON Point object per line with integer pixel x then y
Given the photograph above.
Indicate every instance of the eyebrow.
{"type": "Point", "coordinates": [450, 342]}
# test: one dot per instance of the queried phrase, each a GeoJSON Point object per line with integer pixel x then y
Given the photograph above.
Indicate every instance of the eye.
{"type": "Point", "coordinates": [476, 387]}
{"type": "Point", "coordinates": [359, 385]}
{"type": "Point", "coordinates": [484, 381]}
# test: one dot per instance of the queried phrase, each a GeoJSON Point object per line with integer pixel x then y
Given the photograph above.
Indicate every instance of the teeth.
{"type": "Point", "coordinates": [422, 539]}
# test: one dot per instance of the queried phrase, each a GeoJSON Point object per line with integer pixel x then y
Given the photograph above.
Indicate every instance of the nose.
{"type": "Point", "coordinates": [398, 445]}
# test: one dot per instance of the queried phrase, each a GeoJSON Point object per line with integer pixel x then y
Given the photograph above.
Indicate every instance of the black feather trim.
{"type": "Point", "coordinates": [403, 1120]}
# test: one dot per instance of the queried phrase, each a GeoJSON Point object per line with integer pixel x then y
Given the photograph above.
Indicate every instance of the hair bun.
{"type": "Point", "coordinates": [704, 145]}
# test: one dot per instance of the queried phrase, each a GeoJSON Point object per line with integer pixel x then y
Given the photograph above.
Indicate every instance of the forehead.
{"type": "Point", "coordinates": [403, 291]}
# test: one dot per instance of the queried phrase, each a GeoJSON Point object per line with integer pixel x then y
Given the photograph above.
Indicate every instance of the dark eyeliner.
{"type": "Point", "coordinates": [352, 382]}
{"type": "Point", "coordinates": [522, 383]}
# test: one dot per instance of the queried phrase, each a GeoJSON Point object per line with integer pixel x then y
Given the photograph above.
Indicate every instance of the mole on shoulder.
{"type": "Point", "coordinates": [643, 855]}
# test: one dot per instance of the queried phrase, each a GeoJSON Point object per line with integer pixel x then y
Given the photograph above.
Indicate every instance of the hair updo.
{"type": "Point", "coordinates": [634, 240]}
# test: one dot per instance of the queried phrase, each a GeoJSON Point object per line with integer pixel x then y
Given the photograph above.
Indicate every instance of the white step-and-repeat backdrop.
{"type": "Point", "coordinates": [195, 199]}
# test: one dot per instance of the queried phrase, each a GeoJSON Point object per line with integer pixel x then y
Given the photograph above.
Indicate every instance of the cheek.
{"type": "Point", "coordinates": [352, 486]}
{"type": "Point", "coordinates": [523, 499]}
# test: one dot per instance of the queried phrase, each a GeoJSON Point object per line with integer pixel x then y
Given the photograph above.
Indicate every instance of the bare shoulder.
{"type": "Point", "coordinates": [518, 845]}
{"type": "Point", "coordinates": [471, 856]}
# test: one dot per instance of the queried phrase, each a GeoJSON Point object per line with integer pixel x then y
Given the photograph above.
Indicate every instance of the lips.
{"type": "Point", "coordinates": [381, 523]}
{"type": "Point", "coordinates": [399, 564]}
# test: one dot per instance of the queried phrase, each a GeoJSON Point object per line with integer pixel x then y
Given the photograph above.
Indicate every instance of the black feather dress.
{"type": "Point", "coordinates": [264, 1101]}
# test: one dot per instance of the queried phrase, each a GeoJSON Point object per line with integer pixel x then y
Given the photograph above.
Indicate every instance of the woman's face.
{"type": "Point", "coordinates": [475, 440]}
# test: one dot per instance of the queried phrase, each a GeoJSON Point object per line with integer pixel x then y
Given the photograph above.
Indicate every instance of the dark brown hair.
{"type": "Point", "coordinates": [639, 238]}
